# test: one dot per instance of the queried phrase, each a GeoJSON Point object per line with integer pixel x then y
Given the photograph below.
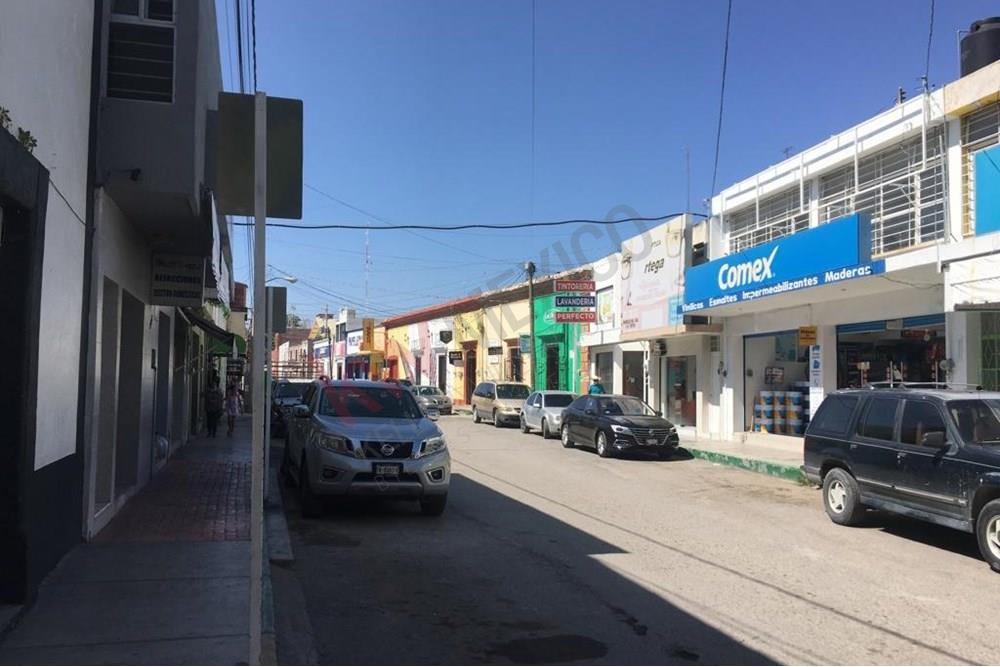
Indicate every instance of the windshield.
{"type": "Point", "coordinates": [978, 420]}
{"type": "Point", "coordinates": [512, 391]}
{"type": "Point", "coordinates": [558, 400]}
{"type": "Point", "coordinates": [379, 402]}
{"type": "Point", "coordinates": [290, 390]}
{"type": "Point", "coordinates": [428, 391]}
{"type": "Point", "coordinates": [626, 406]}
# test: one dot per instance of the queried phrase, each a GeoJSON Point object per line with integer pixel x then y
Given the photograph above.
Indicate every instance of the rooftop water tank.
{"type": "Point", "coordinates": [981, 46]}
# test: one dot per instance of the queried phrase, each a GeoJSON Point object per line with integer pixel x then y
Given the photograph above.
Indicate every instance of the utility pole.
{"type": "Point", "coordinates": [530, 268]}
{"type": "Point", "coordinates": [329, 342]}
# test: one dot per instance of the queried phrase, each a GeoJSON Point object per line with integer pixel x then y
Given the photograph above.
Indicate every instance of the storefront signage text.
{"type": "Point", "coordinates": [455, 358]}
{"type": "Point", "coordinates": [576, 316]}
{"type": "Point", "coordinates": [576, 301]}
{"type": "Point", "coordinates": [833, 252]}
{"type": "Point", "coordinates": [575, 286]}
{"type": "Point", "coordinates": [807, 336]}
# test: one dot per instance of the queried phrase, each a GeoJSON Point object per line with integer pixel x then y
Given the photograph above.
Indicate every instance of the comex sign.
{"type": "Point", "coordinates": [839, 250]}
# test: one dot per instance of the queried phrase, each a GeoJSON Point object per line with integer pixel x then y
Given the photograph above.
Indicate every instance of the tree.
{"type": "Point", "coordinates": [294, 321]}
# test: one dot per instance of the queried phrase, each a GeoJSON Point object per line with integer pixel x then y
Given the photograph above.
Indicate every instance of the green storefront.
{"type": "Point", "coordinates": [557, 349]}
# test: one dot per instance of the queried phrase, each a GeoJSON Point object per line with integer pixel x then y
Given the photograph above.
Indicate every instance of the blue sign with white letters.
{"type": "Point", "coordinates": [836, 251]}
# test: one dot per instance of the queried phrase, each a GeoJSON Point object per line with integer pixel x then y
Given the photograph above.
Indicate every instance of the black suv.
{"type": "Point", "coordinates": [931, 452]}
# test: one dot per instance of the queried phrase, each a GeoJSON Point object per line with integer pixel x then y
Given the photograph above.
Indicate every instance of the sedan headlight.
{"type": "Point", "coordinates": [334, 443]}
{"type": "Point", "coordinates": [432, 446]}
{"type": "Point", "coordinates": [624, 430]}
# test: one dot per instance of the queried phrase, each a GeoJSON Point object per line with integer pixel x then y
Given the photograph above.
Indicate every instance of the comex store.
{"type": "Point", "coordinates": [812, 312]}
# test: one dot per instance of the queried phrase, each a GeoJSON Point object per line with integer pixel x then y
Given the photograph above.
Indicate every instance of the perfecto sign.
{"type": "Point", "coordinates": [836, 251]}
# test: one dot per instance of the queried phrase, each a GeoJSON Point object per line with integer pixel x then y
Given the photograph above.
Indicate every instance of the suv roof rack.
{"type": "Point", "coordinates": [961, 386]}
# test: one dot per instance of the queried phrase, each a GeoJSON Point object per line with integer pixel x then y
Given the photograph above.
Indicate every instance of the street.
{"type": "Point", "coordinates": [547, 555]}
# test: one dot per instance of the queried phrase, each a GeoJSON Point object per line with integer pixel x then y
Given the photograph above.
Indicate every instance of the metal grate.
{"type": "Point", "coordinates": [772, 218]}
{"type": "Point", "coordinates": [990, 324]}
{"type": "Point", "coordinates": [140, 62]}
{"type": "Point", "coordinates": [980, 129]}
{"type": "Point", "coordinates": [904, 196]}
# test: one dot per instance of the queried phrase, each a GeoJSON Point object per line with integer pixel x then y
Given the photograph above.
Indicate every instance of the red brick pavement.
{"type": "Point", "coordinates": [190, 499]}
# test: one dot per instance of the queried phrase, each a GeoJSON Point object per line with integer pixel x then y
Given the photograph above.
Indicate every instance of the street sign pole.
{"type": "Point", "coordinates": [530, 268]}
{"type": "Point", "coordinates": [259, 340]}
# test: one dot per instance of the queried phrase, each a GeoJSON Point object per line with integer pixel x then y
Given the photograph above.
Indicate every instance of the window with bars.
{"type": "Point", "coordinates": [990, 327]}
{"type": "Point", "coordinates": [141, 50]}
{"type": "Point", "coordinates": [980, 129]}
{"type": "Point", "coordinates": [904, 195]}
{"type": "Point", "coordinates": [775, 216]}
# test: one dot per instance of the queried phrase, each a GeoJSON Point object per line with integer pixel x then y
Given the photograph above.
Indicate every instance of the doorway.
{"type": "Point", "coordinates": [418, 370]}
{"type": "Point", "coordinates": [679, 390]}
{"type": "Point", "coordinates": [470, 374]}
{"type": "Point", "coordinates": [632, 374]}
{"type": "Point", "coordinates": [162, 384]}
{"type": "Point", "coordinates": [129, 393]}
{"type": "Point", "coordinates": [442, 375]}
{"type": "Point", "coordinates": [552, 367]}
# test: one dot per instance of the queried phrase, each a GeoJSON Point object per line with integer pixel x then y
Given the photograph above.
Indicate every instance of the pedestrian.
{"type": "Point", "coordinates": [214, 404]}
{"type": "Point", "coordinates": [595, 386]}
{"type": "Point", "coordinates": [234, 406]}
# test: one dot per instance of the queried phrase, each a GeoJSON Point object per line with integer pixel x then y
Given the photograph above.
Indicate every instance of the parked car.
{"type": "Point", "coordinates": [930, 452]}
{"type": "Point", "coordinates": [284, 395]}
{"type": "Point", "coordinates": [362, 438]}
{"type": "Point", "coordinates": [613, 424]}
{"type": "Point", "coordinates": [500, 402]}
{"type": "Point", "coordinates": [430, 396]}
{"type": "Point", "coordinates": [543, 411]}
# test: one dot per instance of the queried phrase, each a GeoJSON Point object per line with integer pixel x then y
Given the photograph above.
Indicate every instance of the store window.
{"type": "Point", "coordinates": [990, 345]}
{"type": "Point", "coordinates": [679, 390]}
{"type": "Point", "coordinates": [905, 350]}
{"type": "Point", "coordinates": [604, 362]}
{"type": "Point", "coordinates": [776, 383]}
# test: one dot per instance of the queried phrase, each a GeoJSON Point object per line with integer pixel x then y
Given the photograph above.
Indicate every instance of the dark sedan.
{"type": "Point", "coordinates": [617, 424]}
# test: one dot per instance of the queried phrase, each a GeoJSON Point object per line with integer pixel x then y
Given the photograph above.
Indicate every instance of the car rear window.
{"type": "Point", "coordinates": [512, 391]}
{"type": "Point", "coordinates": [834, 414]}
{"type": "Point", "coordinates": [879, 421]}
{"type": "Point", "coordinates": [290, 389]}
{"type": "Point", "coordinates": [558, 400]}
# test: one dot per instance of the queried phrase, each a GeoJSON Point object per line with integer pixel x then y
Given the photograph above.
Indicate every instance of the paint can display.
{"type": "Point", "coordinates": [795, 426]}
{"type": "Point", "coordinates": [765, 424]}
{"type": "Point", "coordinates": [793, 398]}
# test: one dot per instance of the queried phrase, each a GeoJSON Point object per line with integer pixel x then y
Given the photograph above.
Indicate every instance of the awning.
{"type": "Point", "coordinates": [221, 342]}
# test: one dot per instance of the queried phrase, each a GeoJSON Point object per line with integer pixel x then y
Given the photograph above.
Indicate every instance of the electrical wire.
{"type": "Point", "coordinates": [253, 40]}
{"type": "Point", "coordinates": [446, 228]}
{"type": "Point", "coordinates": [722, 96]}
{"type": "Point", "coordinates": [239, 45]}
{"type": "Point", "coordinates": [930, 38]}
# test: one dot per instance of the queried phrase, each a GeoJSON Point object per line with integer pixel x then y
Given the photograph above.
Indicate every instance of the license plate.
{"type": "Point", "coordinates": [388, 469]}
{"type": "Point", "coordinates": [652, 441]}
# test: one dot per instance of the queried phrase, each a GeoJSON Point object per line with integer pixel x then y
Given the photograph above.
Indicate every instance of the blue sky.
{"type": "Point", "coordinates": [420, 111]}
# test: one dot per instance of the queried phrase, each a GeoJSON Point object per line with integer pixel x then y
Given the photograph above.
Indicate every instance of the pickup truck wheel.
{"type": "Point", "coordinates": [842, 498]}
{"type": "Point", "coordinates": [310, 504]}
{"type": "Point", "coordinates": [475, 416]}
{"type": "Point", "coordinates": [567, 442]}
{"type": "Point", "coordinates": [433, 505]}
{"type": "Point", "coordinates": [988, 533]}
{"type": "Point", "coordinates": [546, 433]}
{"type": "Point", "coordinates": [524, 425]}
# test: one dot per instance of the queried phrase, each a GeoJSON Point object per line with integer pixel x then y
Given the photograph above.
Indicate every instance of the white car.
{"type": "Point", "coordinates": [542, 410]}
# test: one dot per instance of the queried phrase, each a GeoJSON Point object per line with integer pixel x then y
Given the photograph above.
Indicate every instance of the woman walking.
{"type": "Point", "coordinates": [234, 406]}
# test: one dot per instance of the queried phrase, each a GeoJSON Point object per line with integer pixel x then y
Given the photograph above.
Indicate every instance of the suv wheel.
{"type": "Point", "coordinates": [988, 533]}
{"type": "Point", "coordinates": [842, 498]}
{"type": "Point", "coordinates": [545, 430]}
{"type": "Point", "coordinates": [310, 504]}
{"type": "Point", "coordinates": [475, 415]}
{"type": "Point", "coordinates": [433, 505]}
{"type": "Point", "coordinates": [603, 450]}
{"type": "Point", "coordinates": [566, 441]}
{"type": "Point", "coordinates": [524, 425]}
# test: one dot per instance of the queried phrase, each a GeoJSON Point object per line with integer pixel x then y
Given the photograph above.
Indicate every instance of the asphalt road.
{"type": "Point", "coordinates": [547, 555]}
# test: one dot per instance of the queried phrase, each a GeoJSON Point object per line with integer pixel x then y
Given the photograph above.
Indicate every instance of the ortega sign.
{"type": "Point", "coordinates": [838, 250]}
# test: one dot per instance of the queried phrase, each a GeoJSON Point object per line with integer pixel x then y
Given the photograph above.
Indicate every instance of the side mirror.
{"type": "Point", "coordinates": [934, 439]}
{"type": "Point", "coordinates": [301, 411]}
{"type": "Point", "coordinates": [491, 396]}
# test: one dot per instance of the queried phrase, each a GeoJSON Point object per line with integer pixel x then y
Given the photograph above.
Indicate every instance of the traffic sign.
{"type": "Point", "coordinates": [575, 286]}
{"type": "Point", "coordinates": [581, 301]}
{"type": "Point", "coordinates": [576, 316]}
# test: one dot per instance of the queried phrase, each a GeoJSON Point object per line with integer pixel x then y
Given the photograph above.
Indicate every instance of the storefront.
{"type": "Point", "coordinates": [557, 364]}
{"type": "Point", "coordinates": [811, 313]}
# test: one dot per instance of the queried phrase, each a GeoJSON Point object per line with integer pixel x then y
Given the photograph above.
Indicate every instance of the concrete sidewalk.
{"type": "Point", "coordinates": [165, 583]}
{"type": "Point", "coordinates": [767, 456]}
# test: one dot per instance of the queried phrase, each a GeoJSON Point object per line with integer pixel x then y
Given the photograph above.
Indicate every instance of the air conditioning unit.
{"type": "Point", "coordinates": [660, 347]}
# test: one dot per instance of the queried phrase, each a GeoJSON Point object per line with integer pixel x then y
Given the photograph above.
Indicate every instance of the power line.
{"type": "Point", "coordinates": [446, 228]}
{"type": "Point", "coordinates": [239, 45]}
{"type": "Point", "coordinates": [722, 96]}
{"type": "Point", "coordinates": [253, 40]}
{"type": "Point", "coordinates": [930, 38]}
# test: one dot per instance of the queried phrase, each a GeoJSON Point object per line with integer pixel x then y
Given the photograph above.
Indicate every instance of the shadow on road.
{"type": "Point", "coordinates": [493, 580]}
{"type": "Point", "coordinates": [948, 539]}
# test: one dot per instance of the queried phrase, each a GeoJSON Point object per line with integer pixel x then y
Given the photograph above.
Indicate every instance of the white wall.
{"type": "Point", "coordinates": [50, 41]}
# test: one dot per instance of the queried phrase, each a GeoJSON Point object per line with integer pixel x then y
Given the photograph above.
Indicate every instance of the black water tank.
{"type": "Point", "coordinates": [982, 45]}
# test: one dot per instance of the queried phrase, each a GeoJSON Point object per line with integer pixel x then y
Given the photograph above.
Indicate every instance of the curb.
{"type": "Point", "coordinates": [784, 471]}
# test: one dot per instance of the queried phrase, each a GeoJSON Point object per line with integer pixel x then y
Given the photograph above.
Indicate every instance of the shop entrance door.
{"type": "Point", "coordinates": [632, 374]}
{"type": "Point", "coordinates": [679, 390]}
{"type": "Point", "coordinates": [470, 374]}
{"type": "Point", "coordinates": [442, 377]}
{"type": "Point", "coordinates": [552, 367]}
{"type": "Point", "coordinates": [417, 370]}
